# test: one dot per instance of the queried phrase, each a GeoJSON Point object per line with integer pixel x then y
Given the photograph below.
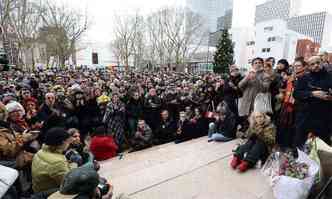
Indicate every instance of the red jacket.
{"type": "Point", "coordinates": [103, 147]}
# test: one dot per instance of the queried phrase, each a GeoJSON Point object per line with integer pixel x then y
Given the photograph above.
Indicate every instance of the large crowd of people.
{"type": "Point", "coordinates": [57, 123]}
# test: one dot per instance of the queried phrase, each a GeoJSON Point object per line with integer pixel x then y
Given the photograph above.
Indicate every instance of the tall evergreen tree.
{"type": "Point", "coordinates": [223, 57]}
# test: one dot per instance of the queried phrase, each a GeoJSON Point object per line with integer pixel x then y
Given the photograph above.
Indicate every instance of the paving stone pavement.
{"type": "Point", "coordinates": [195, 169]}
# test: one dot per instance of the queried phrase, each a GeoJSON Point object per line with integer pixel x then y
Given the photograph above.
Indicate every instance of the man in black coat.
{"type": "Point", "coordinates": [314, 89]}
{"type": "Point", "coordinates": [166, 129]}
{"type": "Point", "coordinates": [232, 92]}
{"type": "Point", "coordinates": [152, 106]}
{"type": "Point", "coordinates": [134, 111]}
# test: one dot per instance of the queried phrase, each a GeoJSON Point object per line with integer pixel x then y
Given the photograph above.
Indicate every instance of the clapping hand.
{"type": "Point", "coordinates": [321, 95]}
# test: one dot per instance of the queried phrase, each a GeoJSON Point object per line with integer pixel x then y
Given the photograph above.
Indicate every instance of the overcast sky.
{"type": "Point", "coordinates": [102, 11]}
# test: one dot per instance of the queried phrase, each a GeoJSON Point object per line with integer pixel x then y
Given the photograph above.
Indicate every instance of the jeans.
{"type": "Point", "coordinates": [216, 136]}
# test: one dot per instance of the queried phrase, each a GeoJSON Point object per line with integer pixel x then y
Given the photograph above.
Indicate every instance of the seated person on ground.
{"type": "Point", "coordinates": [166, 129]}
{"type": "Point", "coordinates": [224, 127]}
{"type": "Point", "coordinates": [143, 136]}
{"type": "Point", "coordinates": [184, 129]}
{"type": "Point", "coordinates": [200, 123]}
{"type": "Point", "coordinates": [261, 140]}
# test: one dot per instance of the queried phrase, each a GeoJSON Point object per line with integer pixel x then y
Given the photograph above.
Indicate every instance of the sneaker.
{"type": "Point", "coordinates": [235, 162]}
{"type": "Point", "coordinates": [244, 166]}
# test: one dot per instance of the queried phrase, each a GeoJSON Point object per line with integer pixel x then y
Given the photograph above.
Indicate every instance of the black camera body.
{"type": "Point", "coordinates": [103, 186]}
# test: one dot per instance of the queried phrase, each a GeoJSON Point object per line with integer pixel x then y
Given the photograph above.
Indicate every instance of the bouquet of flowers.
{"type": "Point", "coordinates": [290, 177]}
{"type": "Point", "coordinates": [290, 167]}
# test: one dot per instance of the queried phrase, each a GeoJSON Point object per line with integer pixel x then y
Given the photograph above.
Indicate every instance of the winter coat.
{"type": "Point", "coordinates": [145, 135]}
{"type": "Point", "coordinates": [48, 169]}
{"type": "Point", "coordinates": [227, 127]}
{"type": "Point", "coordinates": [200, 126]}
{"type": "Point", "coordinates": [103, 147]}
{"type": "Point", "coordinates": [186, 129]}
{"type": "Point", "coordinates": [114, 119]}
{"type": "Point", "coordinates": [316, 114]}
{"type": "Point", "coordinates": [166, 130]}
{"type": "Point", "coordinates": [134, 109]}
{"type": "Point", "coordinates": [152, 106]}
{"type": "Point", "coordinates": [9, 147]}
{"type": "Point", "coordinates": [266, 133]}
{"type": "Point", "coordinates": [232, 94]}
{"type": "Point", "coordinates": [250, 90]}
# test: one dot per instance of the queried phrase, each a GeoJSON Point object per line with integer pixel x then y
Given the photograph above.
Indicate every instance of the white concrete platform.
{"type": "Point", "coordinates": [194, 169]}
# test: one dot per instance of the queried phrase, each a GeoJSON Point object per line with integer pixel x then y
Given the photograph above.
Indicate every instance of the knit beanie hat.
{"type": "Point", "coordinates": [56, 136]}
{"type": "Point", "coordinates": [15, 106]}
{"type": "Point", "coordinates": [80, 180]}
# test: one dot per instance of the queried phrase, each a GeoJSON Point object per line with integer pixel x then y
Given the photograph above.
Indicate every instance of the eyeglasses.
{"type": "Point", "coordinates": [258, 62]}
{"type": "Point", "coordinates": [314, 63]}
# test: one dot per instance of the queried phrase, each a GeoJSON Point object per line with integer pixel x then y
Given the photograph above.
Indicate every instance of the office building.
{"type": "Point", "coordinates": [277, 9]}
{"type": "Point", "coordinates": [316, 25]}
{"type": "Point", "coordinates": [211, 10]}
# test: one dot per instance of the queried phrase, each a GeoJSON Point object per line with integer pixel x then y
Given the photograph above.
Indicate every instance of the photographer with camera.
{"type": "Point", "coordinates": [83, 183]}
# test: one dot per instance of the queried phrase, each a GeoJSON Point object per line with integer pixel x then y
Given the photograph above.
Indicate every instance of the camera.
{"type": "Point", "coordinates": [329, 92]}
{"type": "Point", "coordinates": [103, 186]}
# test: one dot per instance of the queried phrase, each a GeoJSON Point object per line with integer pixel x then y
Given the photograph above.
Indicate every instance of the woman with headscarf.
{"type": "Point", "coordinates": [114, 119]}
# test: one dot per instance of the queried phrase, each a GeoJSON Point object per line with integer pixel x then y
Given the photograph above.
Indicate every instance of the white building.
{"type": "Point", "coordinates": [244, 45]}
{"type": "Point", "coordinates": [103, 50]}
{"type": "Point", "coordinates": [210, 10]}
{"type": "Point", "coordinates": [268, 39]}
{"type": "Point", "coordinates": [274, 39]}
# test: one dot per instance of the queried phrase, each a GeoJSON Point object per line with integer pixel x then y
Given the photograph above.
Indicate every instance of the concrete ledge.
{"type": "Point", "coordinates": [193, 169]}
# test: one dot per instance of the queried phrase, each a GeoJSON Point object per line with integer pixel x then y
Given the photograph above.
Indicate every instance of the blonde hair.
{"type": "Point", "coordinates": [252, 120]}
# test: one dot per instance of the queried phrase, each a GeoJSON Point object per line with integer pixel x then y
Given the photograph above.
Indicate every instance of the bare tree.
{"type": "Point", "coordinates": [128, 35]}
{"type": "Point", "coordinates": [25, 21]}
{"type": "Point", "coordinates": [185, 31]}
{"type": "Point", "coordinates": [65, 27]}
{"type": "Point", "coordinates": [6, 7]}
{"type": "Point", "coordinates": [175, 34]}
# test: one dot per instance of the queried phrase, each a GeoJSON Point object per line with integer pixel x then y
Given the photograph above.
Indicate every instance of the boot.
{"type": "Point", "coordinates": [244, 166]}
{"type": "Point", "coordinates": [235, 162]}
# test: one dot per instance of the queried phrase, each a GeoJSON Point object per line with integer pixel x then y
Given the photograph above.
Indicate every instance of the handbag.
{"type": "Point", "coordinates": [262, 103]}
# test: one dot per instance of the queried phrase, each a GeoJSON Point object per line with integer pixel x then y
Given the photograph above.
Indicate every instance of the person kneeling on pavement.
{"type": "Point", "coordinates": [224, 127]}
{"type": "Point", "coordinates": [261, 140]}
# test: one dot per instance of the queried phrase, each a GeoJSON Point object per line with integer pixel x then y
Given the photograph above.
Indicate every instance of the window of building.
{"type": "Point", "coordinates": [250, 43]}
{"type": "Point", "coordinates": [270, 39]}
{"type": "Point", "coordinates": [268, 29]}
{"type": "Point", "coordinates": [266, 50]}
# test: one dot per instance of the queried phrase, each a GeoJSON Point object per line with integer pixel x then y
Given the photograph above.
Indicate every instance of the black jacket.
{"type": "Point", "coordinates": [134, 109]}
{"type": "Point", "coordinates": [315, 113]}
